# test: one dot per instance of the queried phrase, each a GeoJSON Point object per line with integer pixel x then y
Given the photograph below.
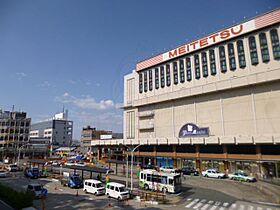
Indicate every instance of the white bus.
{"type": "Point", "coordinates": [159, 181]}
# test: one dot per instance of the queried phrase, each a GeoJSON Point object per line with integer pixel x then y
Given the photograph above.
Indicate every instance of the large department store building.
{"type": "Point", "coordinates": [210, 103]}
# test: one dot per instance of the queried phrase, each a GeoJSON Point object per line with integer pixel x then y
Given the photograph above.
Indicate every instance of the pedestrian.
{"type": "Point", "coordinates": [107, 180]}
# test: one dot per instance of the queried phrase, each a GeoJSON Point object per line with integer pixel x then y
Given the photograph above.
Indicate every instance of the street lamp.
{"type": "Point", "coordinates": [131, 177]}
{"type": "Point", "coordinates": [19, 152]}
{"type": "Point", "coordinates": [132, 149]}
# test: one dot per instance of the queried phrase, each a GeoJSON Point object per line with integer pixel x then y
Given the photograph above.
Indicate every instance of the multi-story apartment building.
{"type": "Point", "coordinates": [212, 102]}
{"type": "Point", "coordinates": [14, 130]}
{"type": "Point", "coordinates": [58, 129]}
{"type": "Point", "coordinates": [89, 133]}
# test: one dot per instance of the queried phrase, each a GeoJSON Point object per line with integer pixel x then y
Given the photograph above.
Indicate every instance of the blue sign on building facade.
{"type": "Point", "coordinates": [192, 130]}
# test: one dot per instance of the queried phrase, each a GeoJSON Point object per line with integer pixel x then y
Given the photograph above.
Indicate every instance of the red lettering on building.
{"type": "Point", "coordinates": [174, 54]}
{"type": "Point", "coordinates": [237, 32]}
{"type": "Point", "coordinates": [182, 50]}
{"type": "Point", "coordinates": [225, 34]}
{"type": "Point", "coordinates": [193, 44]}
{"type": "Point", "coordinates": [213, 37]}
{"type": "Point", "coordinates": [203, 42]}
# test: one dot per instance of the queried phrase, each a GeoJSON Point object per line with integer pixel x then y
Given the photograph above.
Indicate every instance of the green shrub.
{"type": "Point", "coordinates": [17, 200]}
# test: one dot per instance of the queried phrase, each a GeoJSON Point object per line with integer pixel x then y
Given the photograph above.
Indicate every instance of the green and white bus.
{"type": "Point", "coordinates": [150, 179]}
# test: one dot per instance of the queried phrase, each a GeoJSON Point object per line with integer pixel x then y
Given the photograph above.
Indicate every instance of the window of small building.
{"type": "Point", "coordinates": [215, 149]}
{"type": "Point", "coordinates": [164, 148]}
{"type": "Point", "coordinates": [175, 72]}
{"type": "Point", "coordinates": [145, 82]}
{"type": "Point", "coordinates": [270, 149]}
{"type": "Point", "coordinates": [182, 71]}
{"type": "Point", "coordinates": [275, 44]}
{"type": "Point", "coordinates": [264, 47]}
{"type": "Point", "coordinates": [241, 149]}
{"type": "Point", "coordinates": [150, 80]}
{"type": "Point", "coordinates": [189, 70]}
{"type": "Point", "coordinates": [162, 81]}
{"type": "Point", "coordinates": [212, 62]}
{"type": "Point", "coordinates": [253, 50]}
{"type": "Point", "coordinates": [197, 66]}
{"type": "Point", "coordinates": [223, 62]}
{"type": "Point", "coordinates": [140, 83]}
{"type": "Point", "coordinates": [156, 78]}
{"type": "Point", "coordinates": [168, 79]}
{"type": "Point", "coordinates": [185, 148]}
{"type": "Point", "coordinates": [231, 57]}
{"type": "Point", "coordinates": [204, 64]}
{"type": "Point", "coordinates": [241, 54]}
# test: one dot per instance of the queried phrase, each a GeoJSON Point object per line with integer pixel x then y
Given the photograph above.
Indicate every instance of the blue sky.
{"type": "Point", "coordinates": [75, 53]}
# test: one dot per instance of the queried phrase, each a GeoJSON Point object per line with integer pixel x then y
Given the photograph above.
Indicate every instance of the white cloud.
{"type": "Point", "coordinates": [87, 102]}
{"type": "Point", "coordinates": [20, 75]}
{"type": "Point", "coordinates": [72, 82]}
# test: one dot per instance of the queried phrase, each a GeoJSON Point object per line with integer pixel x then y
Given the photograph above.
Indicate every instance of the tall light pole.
{"type": "Point", "coordinates": [131, 174]}
{"type": "Point", "coordinates": [131, 149]}
{"type": "Point", "coordinates": [19, 148]}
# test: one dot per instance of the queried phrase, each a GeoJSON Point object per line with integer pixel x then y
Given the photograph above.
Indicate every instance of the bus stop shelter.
{"type": "Point", "coordinates": [94, 169]}
{"type": "Point", "coordinates": [123, 163]}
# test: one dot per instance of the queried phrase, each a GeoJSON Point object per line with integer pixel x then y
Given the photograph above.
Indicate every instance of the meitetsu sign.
{"type": "Point", "coordinates": [192, 130]}
{"type": "Point", "coordinates": [212, 39]}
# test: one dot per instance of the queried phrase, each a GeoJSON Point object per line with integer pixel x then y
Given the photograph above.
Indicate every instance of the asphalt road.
{"type": "Point", "coordinates": [191, 197]}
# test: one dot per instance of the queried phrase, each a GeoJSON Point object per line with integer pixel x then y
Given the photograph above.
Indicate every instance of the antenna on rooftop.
{"type": "Point", "coordinates": [13, 108]}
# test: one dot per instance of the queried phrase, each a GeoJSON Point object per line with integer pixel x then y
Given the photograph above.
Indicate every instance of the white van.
{"type": "Point", "coordinates": [116, 190]}
{"type": "Point", "coordinates": [93, 186]}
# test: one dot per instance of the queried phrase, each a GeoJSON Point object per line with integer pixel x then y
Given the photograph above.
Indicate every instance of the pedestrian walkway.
{"type": "Point", "coordinates": [203, 204]}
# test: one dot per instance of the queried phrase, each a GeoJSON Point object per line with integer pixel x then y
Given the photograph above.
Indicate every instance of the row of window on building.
{"type": "Point", "coordinates": [162, 74]}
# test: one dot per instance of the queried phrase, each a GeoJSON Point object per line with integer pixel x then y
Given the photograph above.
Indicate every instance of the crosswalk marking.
{"type": "Point", "coordinates": [205, 206]}
{"type": "Point", "coordinates": [192, 203]}
{"type": "Point", "coordinates": [199, 204]}
{"type": "Point", "coordinates": [241, 207]}
{"type": "Point", "coordinates": [251, 208]}
{"type": "Point", "coordinates": [213, 207]}
{"type": "Point", "coordinates": [233, 206]}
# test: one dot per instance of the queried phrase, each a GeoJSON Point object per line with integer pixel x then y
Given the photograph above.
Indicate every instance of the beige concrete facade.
{"type": "Point", "coordinates": [240, 106]}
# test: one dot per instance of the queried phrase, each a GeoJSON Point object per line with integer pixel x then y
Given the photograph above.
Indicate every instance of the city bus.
{"type": "Point", "coordinates": [150, 179]}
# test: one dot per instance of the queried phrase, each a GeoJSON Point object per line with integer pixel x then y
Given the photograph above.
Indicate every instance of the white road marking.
{"type": "Point", "coordinates": [189, 199]}
{"type": "Point", "coordinates": [198, 205]}
{"type": "Point", "coordinates": [259, 208]}
{"type": "Point", "coordinates": [60, 190]}
{"type": "Point", "coordinates": [213, 207]}
{"type": "Point", "coordinates": [241, 207]}
{"type": "Point", "coordinates": [250, 208]}
{"type": "Point", "coordinates": [225, 204]}
{"type": "Point", "coordinates": [205, 206]}
{"type": "Point", "coordinates": [192, 203]}
{"type": "Point", "coordinates": [233, 206]}
{"type": "Point", "coordinates": [55, 180]}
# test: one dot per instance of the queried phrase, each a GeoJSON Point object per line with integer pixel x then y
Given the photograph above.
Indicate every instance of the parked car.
{"type": "Point", "coordinates": [148, 167]}
{"type": "Point", "coordinates": [241, 176]}
{"type": "Point", "coordinates": [55, 163]}
{"type": "Point", "coordinates": [116, 190]}
{"type": "Point", "coordinates": [3, 174]}
{"type": "Point", "coordinates": [213, 173]}
{"type": "Point", "coordinates": [70, 163]}
{"type": "Point", "coordinates": [169, 169]}
{"type": "Point", "coordinates": [93, 186]}
{"type": "Point", "coordinates": [31, 173]}
{"type": "Point", "coordinates": [189, 171]}
{"type": "Point", "coordinates": [37, 190]}
{"type": "Point", "coordinates": [80, 164]}
{"type": "Point", "coordinates": [71, 180]}
{"type": "Point", "coordinates": [12, 168]}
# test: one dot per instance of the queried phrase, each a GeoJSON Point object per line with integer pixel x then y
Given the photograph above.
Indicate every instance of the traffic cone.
{"type": "Point", "coordinates": [77, 193]}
